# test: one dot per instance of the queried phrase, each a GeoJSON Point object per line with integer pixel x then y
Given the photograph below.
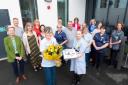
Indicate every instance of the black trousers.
{"type": "Point", "coordinates": [18, 67]}
{"type": "Point", "coordinates": [99, 58]}
{"type": "Point", "coordinates": [114, 54]}
{"type": "Point", "coordinates": [76, 78]}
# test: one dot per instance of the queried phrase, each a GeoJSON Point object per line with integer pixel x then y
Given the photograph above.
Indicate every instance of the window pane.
{"type": "Point", "coordinates": [63, 10]}
{"type": "Point", "coordinates": [122, 4]}
{"type": "Point", "coordinates": [29, 10]}
{"type": "Point", "coordinates": [103, 4]}
{"type": "Point", "coordinates": [116, 5]}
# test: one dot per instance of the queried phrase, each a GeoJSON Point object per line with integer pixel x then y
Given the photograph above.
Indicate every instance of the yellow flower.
{"type": "Point", "coordinates": [53, 52]}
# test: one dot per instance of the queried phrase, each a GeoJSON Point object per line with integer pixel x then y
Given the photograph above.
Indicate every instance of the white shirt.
{"type": "Point", "coordinates": [44, 45]}
{"type": "Point", "coordinates": [63, 28]}
{"type": "Point", "coordinates": [70, 36]}
{"type": "Point", "coordinates": [88, 39]}
{"type": "Point", "coordinates": [19, 32]}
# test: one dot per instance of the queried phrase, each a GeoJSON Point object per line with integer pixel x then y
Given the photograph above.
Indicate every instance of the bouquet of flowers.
{"type": "Point", "coordinates": [53, 52]}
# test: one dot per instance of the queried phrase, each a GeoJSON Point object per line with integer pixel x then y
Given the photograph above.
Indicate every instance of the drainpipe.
{"type": "Point", "coordinates": [125, 12]}
{"type": "Point", "coordinates": [108, 10]}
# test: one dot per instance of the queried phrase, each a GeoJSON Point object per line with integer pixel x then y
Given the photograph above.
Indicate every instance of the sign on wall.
{"type": "Point", "coordinates": [4, 21]}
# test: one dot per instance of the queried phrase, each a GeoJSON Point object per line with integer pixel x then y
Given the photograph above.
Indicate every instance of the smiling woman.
{"type": "Point", "coordinates": [15, 53]}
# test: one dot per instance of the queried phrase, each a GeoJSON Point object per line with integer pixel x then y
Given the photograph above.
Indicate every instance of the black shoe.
{"type": "Point", "coordinates": [73, 82]}
{"type": "Point", "coordinates": [35, 70]}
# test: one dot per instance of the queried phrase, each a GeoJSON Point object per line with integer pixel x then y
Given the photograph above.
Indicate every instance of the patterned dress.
{"type": "Point", "coordinates": [35, 52]}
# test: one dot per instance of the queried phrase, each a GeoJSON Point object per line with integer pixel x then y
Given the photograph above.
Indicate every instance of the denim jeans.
{"type": "Point", "coordinates": [18, 67]}
{"type": "Point", "coordinates": [50, 75]}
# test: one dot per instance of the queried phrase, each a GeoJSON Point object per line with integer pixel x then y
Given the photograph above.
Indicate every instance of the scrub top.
{"type": "Point", "coordinates": [61, 37]}
{"type": "Point", "coordinates": [116, 36]}
{"type": "Point", "coordinates": [101, 40]}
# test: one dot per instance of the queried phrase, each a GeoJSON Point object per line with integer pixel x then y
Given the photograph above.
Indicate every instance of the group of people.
{"type": "Point", "coordinates": [90, 41]}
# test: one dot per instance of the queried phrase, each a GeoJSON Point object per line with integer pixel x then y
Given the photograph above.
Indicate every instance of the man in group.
{"type": "Point", "coordinates": [18, 30]}
{"type": "Point", "coordinates": [70, 33]}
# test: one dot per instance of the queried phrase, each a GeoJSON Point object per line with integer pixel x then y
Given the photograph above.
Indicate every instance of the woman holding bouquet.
{"type": "Point", "coordinates": [48, 65]}
{"type": "Point", "coordinates": [78, 65]}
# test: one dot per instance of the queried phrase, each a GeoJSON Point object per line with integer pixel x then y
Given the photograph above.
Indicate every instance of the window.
{"type": "Point", "coordinates": [116, 5]}
{"type": "Point", "coordinates": [103, 4]}
{"type": "Point", "coordinates": [122, 3]}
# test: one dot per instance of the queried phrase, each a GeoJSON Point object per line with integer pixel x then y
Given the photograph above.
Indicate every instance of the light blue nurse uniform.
{"type": "Point", "coordinates": [78, 65]}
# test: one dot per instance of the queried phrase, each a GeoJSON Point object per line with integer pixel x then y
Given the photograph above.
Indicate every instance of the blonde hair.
{"type": "Point", "coordinates": [84, 28]}
{"type": "Point", "coordinates": [26, 26]}
{"type": "Point", "coordinates": [48, 29]}
{"type": "Point", "coordinates": [36, 21]}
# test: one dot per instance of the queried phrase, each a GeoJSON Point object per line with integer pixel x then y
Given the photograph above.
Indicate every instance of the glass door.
{"type": "Point", "coordinates": [29, 10]}
{"type": "Point", "coordinates": [63, 10]}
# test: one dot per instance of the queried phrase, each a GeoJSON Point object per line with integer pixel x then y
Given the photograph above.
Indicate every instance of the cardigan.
{"type": "Point", "coordinates": [26, 44]}
{"type": "Point", "coordinates": [10, 49]}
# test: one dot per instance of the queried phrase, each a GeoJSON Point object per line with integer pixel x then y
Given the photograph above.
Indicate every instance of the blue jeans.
{"type": "Point", "coordinates": [87, 58]}
{"type": "Point", "coordinates": [50, 75]}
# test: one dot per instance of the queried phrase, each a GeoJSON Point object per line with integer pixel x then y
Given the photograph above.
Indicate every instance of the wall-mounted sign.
{"type": "Point", "coordinates": [4, 21]}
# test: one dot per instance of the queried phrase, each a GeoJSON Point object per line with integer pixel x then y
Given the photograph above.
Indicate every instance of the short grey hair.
{"type": "Point", "coordinates": [10, 26]}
